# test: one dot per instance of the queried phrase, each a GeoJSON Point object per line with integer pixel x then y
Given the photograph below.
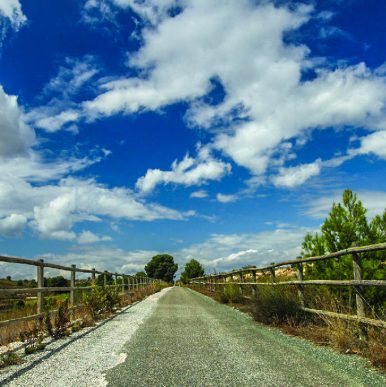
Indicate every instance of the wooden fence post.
{"type": "Point", "coordinates": [273, 275]}
{"type": "Point", "coordinates": [254, 280]}
{"type": "Point", "coordinates": [93, 277]}
{"type": "Point", "coordinates": [104, 279]}
{"type": "Point", "coordinates": [40, 281]}
{"type": "Point", "coordinates": [241, 281]}
{"type": "Point", "coordinates": [358, 276]}
{"type": "Point", "coordinates": [72, 284]}
{"type": "Point", "coordinates": [123, 284]}
{"type": "Point", "coordinates": [300, 287]}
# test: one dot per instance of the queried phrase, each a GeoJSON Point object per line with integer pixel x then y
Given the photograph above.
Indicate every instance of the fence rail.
{"type": "Point", "coordinates": [358, 283]}
{"type": "Point", "coordinates": [128, 283]}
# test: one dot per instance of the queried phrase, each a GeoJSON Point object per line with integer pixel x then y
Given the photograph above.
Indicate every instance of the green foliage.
{"type": "Point", "coordinates": [100, 279]}
{"type": "Point", "coordinates": [230, 293]}
{"type": "Point", "coordinates": [140, 274]}
{"type": "Point", "coordinates": [273, 305]}
{"type": "Point", "coordinates": [347, 226]}
{"type": "Point", "coordinates": [162, 267]}
{"type": "Point", "coordinates": [9, 358]}
{"type": "Point", "coordinates": [33, 339]}
{"type": "Point", "coordinates": [100, 301]}
{"type": "Point", "coordinates": [58, 281]}
{"type": "Point", "coordinates": [193, 269]}
{"type": "Point", "coordinates": [61, 321]}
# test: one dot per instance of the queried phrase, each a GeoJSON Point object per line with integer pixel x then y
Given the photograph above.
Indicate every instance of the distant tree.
{"type": "Point", "coordinates": [58, 281]}
{"type": "Point", "coordinates": [100, 279]}
{"type": "Point", "coordinates": [192, 269]}
{"type": "Point", "coordinates": [140, 274]}
{"type": "Point", "coordinates": [9, 278]}
{"type": "Point", "coordinates": [162, 267]}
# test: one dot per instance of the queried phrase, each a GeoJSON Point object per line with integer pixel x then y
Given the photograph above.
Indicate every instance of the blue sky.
{"type": "Point", "coordinates": [215, 130]}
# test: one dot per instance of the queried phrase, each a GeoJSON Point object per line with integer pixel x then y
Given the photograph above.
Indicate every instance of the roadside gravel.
{"type": "Point", "coordinates": [191, 340]}
{"type": "Point", "coordinates": [82, 359]}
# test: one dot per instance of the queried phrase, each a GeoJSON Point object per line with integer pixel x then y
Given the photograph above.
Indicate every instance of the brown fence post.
{"type": "Point", "coordinates": [254, 280]}
{"type": "Point", "coordinates": [40, 281]}
{"type": "Point", "coordinates": [93, 277]}
{"type": "Point", "coordinates": [299, 267]}
{"type": "Point", "coordinates": [358, 276]}
{"type": "Point", "coordinates": [72, 284]}
{"type": "Point", "coordinates": [273, 275]}
{"type": "Point", "coordinates": [104, 278]}
{"type": "Point", "coordinates": [241, 281]}
{"type": "Point", "coordinates": [123, 284]}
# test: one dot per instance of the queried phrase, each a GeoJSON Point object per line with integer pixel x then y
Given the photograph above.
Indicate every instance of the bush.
{"type": "Point", "coordinates": [100, 301]}
{"type": "Point", "coordinates": [9, 358]}
{"type": "Point", "coordinates": [230, 293]}
{"type": "Point", "coordinates": [273, 305]}
{"type": "Point", "coordinates": [33, 339]}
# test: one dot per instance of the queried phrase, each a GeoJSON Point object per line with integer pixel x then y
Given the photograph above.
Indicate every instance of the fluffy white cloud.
{"type": "Point", "coordinates": [373, 201]}
{"type": "Point", "coordinates": [222, 198]}
{"type": "Point", "coordinates": [200, 194]}
{"type": "Point", "coordinates": [61, 110]}
{"type": "Point", "coordinates": [12, 225]}
{"type": "Point", "coordinates": [87, 237]}
{"type": "Point", "coordinates": [228, 251]}
{"type": "Point", "coordinates": [374, 143]}
{"type": "Point", "coordinates": [53, 209]}
{"type": "Point", "coordinates": [295, 176]}
{"type": "Point", "coordinates": [187, 172]}
{"type": "Point", "coordinates": [241, 45]}
{"type": "Point", "coordinates": [12, 11]}
{"type": "Point", "coordinates": [15, 136]}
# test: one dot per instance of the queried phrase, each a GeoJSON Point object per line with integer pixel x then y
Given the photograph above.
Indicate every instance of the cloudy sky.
{"type": "Point", "coordinates": [219, 130]}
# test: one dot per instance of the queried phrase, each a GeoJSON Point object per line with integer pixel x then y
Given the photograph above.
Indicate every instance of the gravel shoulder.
{"type": "Point", "coordinates": [191, 340]}
{"type": "Point", "coordinates": [82, 359]}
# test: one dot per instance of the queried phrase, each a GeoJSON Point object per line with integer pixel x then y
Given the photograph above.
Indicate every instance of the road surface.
{"type": "Point", "coordinates": [182, 338]}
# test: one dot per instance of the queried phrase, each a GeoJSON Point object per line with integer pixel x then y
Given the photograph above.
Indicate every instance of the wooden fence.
{"type": "Point", "coordinates": [128, 283]}
{"type": "Point", "coordinates": [358, 283]}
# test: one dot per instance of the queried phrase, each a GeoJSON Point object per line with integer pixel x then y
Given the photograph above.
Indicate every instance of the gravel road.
{"type": "Point", "coordinates": [181, 338]}
{"type": "Point", "coordinates": [190, 340]}
{"type": "Point", "coordinates": [82, 359]}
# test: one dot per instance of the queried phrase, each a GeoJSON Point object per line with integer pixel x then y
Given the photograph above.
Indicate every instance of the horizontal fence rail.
{"type": "Point", "coordinates": [358, 283]}
{"type": "Point", "coordinates": [129, 284]}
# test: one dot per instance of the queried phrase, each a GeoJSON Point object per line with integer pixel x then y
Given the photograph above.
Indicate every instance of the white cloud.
{"type": "Point", "coordinates": [241, 45]}
{"type": "Point", "coordinates": [187, 172]}
{"type": "Point", "coordinates": [295, 176]}
{"type": "Point", "coordinates": [15, 136]}
{"type": "Point", "coordinates": [373, 201]}
{"type": "Point", "coordinates": [222, 252]}
{"type": "Point", "coordinates": [12, 11]}
{"type": "Point", "coordinates": [222, 198]}
{"type": "Point", "coordinates": [87, 237]}
{"type": "Point", "coordinates": [12, 225]}
{"type": "Point", "coordinates": [200, 194]}
{"type": "Point", "coordinates": [374, 143]}
{"type": "Point", "coordinates": [61, 109]}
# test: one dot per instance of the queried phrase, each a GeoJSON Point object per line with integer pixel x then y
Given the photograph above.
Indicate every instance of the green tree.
{"type": "Point", "coordinates": [140, 274]}
{"type": "Point", "coordinates": [345, 226]}
{"type": "Point", "coordinates": [100, 279]}
{"type": "Point", "coordinates": [192, 269]}
{"type": "Point", "coordinates": [162, 267]}
{"type": "Point", "coordinates": [58, 281]}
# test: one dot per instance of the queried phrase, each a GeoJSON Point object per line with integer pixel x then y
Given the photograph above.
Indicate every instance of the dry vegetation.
{"type": "Point", "coordinates": [59, 320]}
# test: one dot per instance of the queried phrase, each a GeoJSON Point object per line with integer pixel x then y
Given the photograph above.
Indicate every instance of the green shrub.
{"type": "Point", "coordinates": [229, 293]}
{"type": "Point", "coordinates": [100, 301]}
{"type": "Point", "coordinates": [276, 305]}
{"type": "Point", "coordinates": [9, 358]}
{"type": "Point", "coordinates": [33, 339]}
